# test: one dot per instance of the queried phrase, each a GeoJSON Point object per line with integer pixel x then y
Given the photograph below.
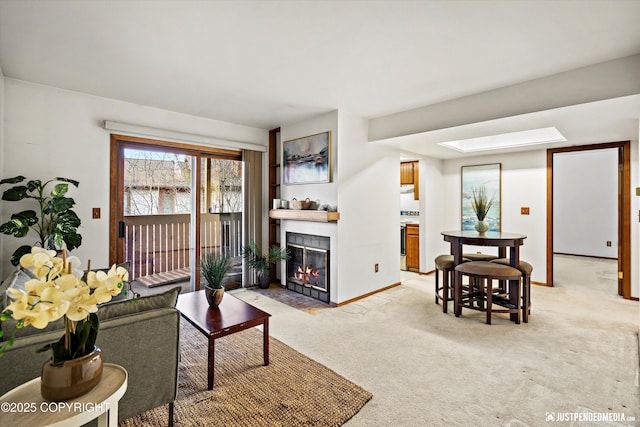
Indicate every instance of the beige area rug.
{"type": "Point", "coordinates": [292, 391]}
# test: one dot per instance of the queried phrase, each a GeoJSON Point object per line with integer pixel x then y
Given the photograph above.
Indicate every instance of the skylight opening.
{"type": "Point", "coordinates": [506, 140]}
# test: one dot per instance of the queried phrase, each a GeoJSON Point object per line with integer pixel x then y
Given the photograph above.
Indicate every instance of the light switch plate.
{"type": "Point", "coordinates": [96, 213]}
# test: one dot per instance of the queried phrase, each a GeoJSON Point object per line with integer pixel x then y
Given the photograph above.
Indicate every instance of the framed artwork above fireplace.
{"type": "Point", "coordinates": [307, 160]}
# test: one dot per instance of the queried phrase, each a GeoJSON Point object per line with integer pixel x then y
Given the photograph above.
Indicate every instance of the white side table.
{"type": "Point", "coordinates": [24, 405]}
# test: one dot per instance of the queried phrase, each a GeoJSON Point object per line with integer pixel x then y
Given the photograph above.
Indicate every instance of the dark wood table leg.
{"type": "Point", "coordinates": [212, 349]}
{"type": "Point", "coordinates": [514, 297]}
{"type": "Point", "coordinates": [502, 252]}
{"type": "Point", "coordinates": [265, 341]}
{"type": "Point", "coordinates": [456, 251]}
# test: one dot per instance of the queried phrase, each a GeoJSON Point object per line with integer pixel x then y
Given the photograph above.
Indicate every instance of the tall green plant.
{"type": "Point", "coordinates": [260, 262]}
{"type": "Point", "coordinates": [55, 223]}
{"type": "Point", "coordinates": [481, 203]}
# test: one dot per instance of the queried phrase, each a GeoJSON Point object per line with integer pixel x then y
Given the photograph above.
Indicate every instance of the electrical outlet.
{"type": "Point", "coordinates": [608, 243]}
{"type": "Point", "coordinates": [96, 213]}
{"type": "Point", "coordinates": [376, 267]}
{"type": "Point", "coordinates": [524, 211]}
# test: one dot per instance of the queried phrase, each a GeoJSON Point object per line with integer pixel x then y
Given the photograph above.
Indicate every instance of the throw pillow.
{"type": "Point", "coordinates": [166, 299]}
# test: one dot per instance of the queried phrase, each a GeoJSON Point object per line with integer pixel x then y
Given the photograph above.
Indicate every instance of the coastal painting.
{"type": "Point", "coordinates": [307, 160]}
{"type": "Point", "coordinates": [476, 177]}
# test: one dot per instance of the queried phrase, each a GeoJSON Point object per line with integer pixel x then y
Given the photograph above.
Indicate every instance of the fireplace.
{"type": "Point", "coordinates": [308, 265]}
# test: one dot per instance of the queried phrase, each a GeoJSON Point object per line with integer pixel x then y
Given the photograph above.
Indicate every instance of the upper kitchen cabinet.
{"type": "Point", "coordinates": [406, 173]}
{"type": "Point", "coordinates": [409, 175]}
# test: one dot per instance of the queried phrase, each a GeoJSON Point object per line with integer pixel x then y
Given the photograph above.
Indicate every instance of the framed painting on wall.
{"type": "Point", "coordinates": [307, 160]}
{"type": "Point", "coordinates": [482, 178]}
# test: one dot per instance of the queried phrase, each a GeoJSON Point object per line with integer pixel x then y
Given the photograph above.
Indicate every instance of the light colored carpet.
{"type": "Point", "coordinates": [578, 353]}
{"type": "Point", "coordinates": [291, 391]}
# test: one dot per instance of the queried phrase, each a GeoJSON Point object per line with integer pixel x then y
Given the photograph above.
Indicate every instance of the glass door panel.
{"type": "Point", "coordinates": [221, 207]}
{"type": "Point", "coordinates": [157, 216]}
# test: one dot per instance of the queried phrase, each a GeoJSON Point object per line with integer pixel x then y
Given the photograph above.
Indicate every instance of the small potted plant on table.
{"type": "Point", "coordinates": [481, 205]}
{"type": "Point", "coordinates": [214, 268]}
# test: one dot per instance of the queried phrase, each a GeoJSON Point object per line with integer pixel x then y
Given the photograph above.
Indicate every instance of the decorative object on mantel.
{"type": "Point", "coordinates": [59, 293]}
{"type": "Point", "coordinates": [57, 225]}
{"type": "Point", "coordinates": [481, 184]}
{"type": "Point", "coordinates": [328, 208]}
{"type": "Point", "coordinates": [300, 204]}
{"type": "Point", "coordinates": [214, 268]}
{"type": "Point", "coordinates": [261, 262]}
{"type": "Point", "coordinates": [307, 160]}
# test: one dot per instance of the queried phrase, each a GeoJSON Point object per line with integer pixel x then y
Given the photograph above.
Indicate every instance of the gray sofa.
{"type": "Point", "coordinates": [141, 334]}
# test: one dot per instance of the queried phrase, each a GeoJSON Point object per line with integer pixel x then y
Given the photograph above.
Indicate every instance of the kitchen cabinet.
{"type": "Point", "coordinates": [406, 173]}
{"type": "Point", "coordinates": [416, 182]}
{"type": "Point", "coordinates": [413, 247]}
{"type": "Point", "coordinates": [409, 175]}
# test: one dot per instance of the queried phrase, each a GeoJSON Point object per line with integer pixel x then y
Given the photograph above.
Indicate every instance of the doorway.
{"type": "Point", "coordinates": [171, 203]}
{"type": "Point", "coordinates": [623, 199]}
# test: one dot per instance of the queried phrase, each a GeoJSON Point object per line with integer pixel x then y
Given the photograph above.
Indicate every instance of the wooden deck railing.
{"type": "Point", "coordinates": [161, 243]}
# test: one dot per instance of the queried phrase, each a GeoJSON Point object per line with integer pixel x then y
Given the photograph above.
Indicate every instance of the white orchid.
{"type": "Point", "coordinates": [58, 291]}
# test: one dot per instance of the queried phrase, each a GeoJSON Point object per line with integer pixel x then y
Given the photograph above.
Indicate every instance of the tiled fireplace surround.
{"type": "Point", "coordinates": [307, 270]}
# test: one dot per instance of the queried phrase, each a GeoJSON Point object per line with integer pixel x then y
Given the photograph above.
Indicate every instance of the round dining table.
{"type": "Point", "coordinates": [503, 241]}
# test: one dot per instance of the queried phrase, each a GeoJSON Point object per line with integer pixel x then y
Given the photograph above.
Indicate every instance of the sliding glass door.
{"type": "Point", "coordinates": [162, 227]}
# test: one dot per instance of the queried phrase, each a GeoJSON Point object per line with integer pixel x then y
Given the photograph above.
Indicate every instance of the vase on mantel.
{"type": "Point", "coordinates": [481, 227]}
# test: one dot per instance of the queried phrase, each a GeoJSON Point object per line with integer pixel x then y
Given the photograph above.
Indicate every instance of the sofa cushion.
{"type": "Point", "coordinates": [16, 280]}
{"type": "Point", "coordinates": [166, 299]}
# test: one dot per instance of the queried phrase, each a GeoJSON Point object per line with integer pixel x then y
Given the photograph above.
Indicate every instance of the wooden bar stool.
{"type": "Point", "coordinates": [479, 257]}
{"type": "Point", "coordinates": [482, 295]}
{"type": "Point", "coordinates": [444, 292]}
{"type": "Point", "coordinates": [526, 269]}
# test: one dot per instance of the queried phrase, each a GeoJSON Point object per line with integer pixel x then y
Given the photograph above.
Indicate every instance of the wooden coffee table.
{"type": "Point", "coordinates": [231, 316]}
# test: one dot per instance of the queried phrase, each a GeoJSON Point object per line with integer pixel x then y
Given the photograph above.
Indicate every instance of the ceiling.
{"type": "Point", "coordinates": [270, 63]}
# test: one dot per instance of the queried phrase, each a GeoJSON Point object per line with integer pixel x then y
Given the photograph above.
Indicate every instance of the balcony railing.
{"type": "Point", "coordinates": [157, 244]}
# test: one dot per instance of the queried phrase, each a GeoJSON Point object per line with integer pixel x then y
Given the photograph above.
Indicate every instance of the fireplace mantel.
{"type": "Point", "coordinates": [304, 215]}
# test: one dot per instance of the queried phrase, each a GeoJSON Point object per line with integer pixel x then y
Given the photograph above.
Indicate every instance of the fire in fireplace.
{"type": "Point", "coordinates": [308, 265]}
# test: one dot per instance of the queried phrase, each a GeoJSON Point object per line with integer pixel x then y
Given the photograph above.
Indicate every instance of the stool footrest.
{"type": "Point", "coordinates": [503, 301]}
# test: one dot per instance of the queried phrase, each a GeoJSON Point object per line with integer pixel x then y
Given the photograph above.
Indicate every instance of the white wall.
{"type": "Point", "coordinates": [369, 206]}
{"type": "Point", "coordinates": [585, 202]}
{"type": "Point", "coordinates": [523, 185]}
{"type": "Point", "coordinates": [365, 188]}
{"type": "Point", "coordinates": [408, 202]}
{"type": "Point", "coordinates": [433, 215]}
{"type": "Point", "coordinates": [51, 132]}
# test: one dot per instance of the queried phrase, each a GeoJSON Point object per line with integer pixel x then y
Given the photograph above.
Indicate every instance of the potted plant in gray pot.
{"type": "Point", "coordinates": [214, 268]}
{"type": "Point", "coordinates": [260, 262]}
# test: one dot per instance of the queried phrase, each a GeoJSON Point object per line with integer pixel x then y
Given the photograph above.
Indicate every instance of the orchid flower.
{"type": "Point", "coordinates": [59, 292]}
